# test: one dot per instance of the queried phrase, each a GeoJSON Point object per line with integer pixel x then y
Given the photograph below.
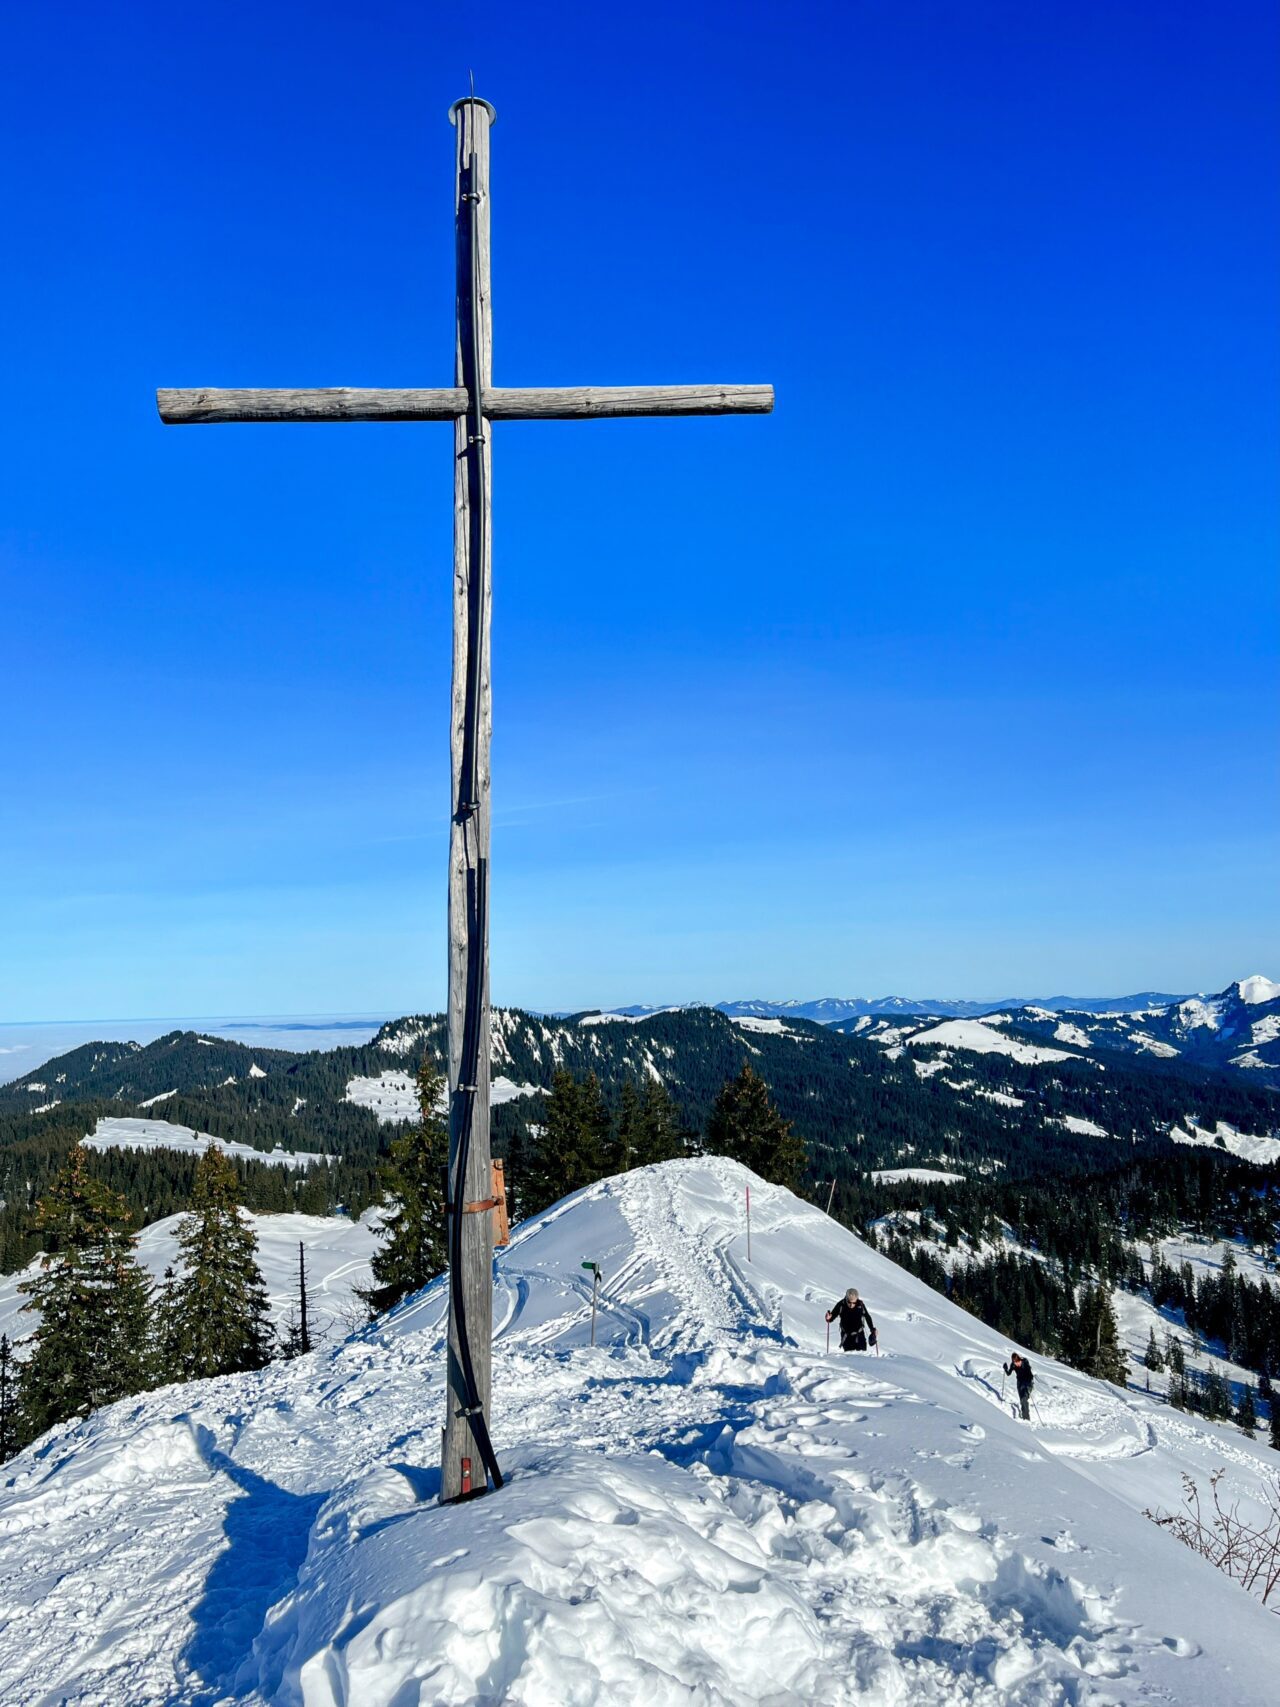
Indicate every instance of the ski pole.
{"type": "Point", "coordinates": [828, 1333]}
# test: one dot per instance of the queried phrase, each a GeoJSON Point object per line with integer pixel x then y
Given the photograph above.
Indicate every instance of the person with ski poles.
{"type": "Point", "coordinates": [855, 1321]}
{"type": "Point", "coordinates": [1022, 1370]}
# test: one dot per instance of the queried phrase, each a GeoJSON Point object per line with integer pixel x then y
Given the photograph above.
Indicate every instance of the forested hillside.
{"type": "Point", "coordinates": [896, 1093]}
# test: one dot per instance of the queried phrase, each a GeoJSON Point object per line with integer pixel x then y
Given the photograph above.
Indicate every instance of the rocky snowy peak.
{"type": "Point", "coordinates": [708, 1505]}
{"type": "Point", "coordinates": [1258, 989]}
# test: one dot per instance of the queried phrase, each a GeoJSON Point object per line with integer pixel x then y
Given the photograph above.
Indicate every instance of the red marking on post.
{"type": "Point", "coordinates": [466, 1475]}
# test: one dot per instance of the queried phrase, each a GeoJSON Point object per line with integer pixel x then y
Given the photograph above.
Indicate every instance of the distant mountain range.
{"type": "Point", "coordinates": [1234, 1030]}
{"type": "Point", "coordinates": [829, 1010]}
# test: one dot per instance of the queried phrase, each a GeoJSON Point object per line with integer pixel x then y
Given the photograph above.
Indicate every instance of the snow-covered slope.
{"type": "Point", "coordinates": [114, 1132]}
{"type": "Point", "coordinates": [338, 1254]}
{"type": "Point", "coordinates": [706, 1507]}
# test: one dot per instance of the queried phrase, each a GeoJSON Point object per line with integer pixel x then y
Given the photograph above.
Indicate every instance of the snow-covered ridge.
{"type": "Point", "coordinates": [114, 1132]}
{"type": "Point", "coordinates": [973, 1034]}
{"type": "Point", "coordinates": [1258, 989]}
{"type": "Point", "coordinates": [704, 1507]}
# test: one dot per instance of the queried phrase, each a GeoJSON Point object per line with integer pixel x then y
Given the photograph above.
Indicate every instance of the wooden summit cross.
{"type": "Point", "coordinates": [470, 403]}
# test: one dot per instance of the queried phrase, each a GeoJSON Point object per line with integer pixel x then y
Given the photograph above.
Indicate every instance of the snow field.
{"type": "Point", "coordinates": [973, 1034]}
{"type": "Point", "coordinates": [705, 1508]}
{"type": "Point", "coordinates": [393, 1097]}
{"type": "Point", "coordinates": [114, 1132]}
{"type": "Point", "coordinates": [338, 1253]}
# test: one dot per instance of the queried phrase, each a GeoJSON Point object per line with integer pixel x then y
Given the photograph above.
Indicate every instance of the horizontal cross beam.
{"type": "Point", "coordinates": [499, 403]}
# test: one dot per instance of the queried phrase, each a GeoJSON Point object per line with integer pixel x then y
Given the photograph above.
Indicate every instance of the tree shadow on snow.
{"type": "Point", "coordinates": [267, 1530]}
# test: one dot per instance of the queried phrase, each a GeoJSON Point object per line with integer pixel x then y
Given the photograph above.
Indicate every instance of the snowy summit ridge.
{"type": "Point", "coordinates": [706, 1507]}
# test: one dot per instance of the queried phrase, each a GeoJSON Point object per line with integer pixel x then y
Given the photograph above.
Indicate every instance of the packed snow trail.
{"type": "Point", "coordinates": [704, 1508]}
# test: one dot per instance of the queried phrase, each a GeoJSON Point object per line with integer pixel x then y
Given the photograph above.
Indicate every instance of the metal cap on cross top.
{"type": "Point", "coordinates": [471, 403]}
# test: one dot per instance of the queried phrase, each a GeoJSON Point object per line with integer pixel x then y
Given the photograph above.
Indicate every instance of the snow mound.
{"type": "Point", "coordinates": [705, 1508]}
{"type": "Point", "coordinates": [972, 1034]}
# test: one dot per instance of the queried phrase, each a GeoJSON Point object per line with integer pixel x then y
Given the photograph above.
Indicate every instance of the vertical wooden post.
{"type": "Point", "coordinates": [470, 726]}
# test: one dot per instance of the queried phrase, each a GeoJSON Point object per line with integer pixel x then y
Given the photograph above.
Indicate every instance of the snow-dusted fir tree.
{"type": "Point", "coordinates": [214, 1314]}
{"type": "Point", "coordinates": [745, 1126]}
{"type": "Point", "coordinates": [415, 1250]}
{"type": "Point", "coordinates": [94, 1342]}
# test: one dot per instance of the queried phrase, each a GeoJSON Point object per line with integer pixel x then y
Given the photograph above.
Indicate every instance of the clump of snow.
{"type": "Point", "coordinates": [44, 1107]}
{"type": "Point", "coordinates": [150, 1102]}
{"type": "Point", "coordinates": [973, 1034]}
{"type": "Point", "coordinates": [256, 1072]}
{"type": "Point", "coordinates": [35, 1087]}
{"type": "Point", "coordinates": [115, 1132]}
{"type": "Point", "coordinates": [1002, 1097]}
{"type": "Point", "coordinates": [704, 1508]}
{"type": "Point", "coordinates": [1258, 989]}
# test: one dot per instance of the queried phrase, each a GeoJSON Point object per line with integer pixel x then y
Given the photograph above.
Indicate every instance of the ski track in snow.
{"type": "Point", "coordinates": [705, 1508]}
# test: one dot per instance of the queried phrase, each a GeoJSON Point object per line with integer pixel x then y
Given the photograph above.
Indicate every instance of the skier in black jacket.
{"type": "Point", "coordinates": [1019, 1367]}
{"type": "Point", "coordinates": [855, 1322]}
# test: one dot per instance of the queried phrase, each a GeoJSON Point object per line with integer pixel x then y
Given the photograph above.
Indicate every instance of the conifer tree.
{"type": "Point", "coordinates": [215, 1319]}
{"type": "Point", "coordinates": [1247, 1412]}
{"type": "Point", "coordinates": [572, 1149]}
{"type": "Point", "coordinates": [746, 1127]}
{"type": "Point", "coordinates": [94, 1342]}
{"type": "Point", "coordinates": [414, 1175]}
{"type": "Point", "coordinates": [8, 1400]}
{"type": "Point", "coordinates": [1174, 1355]}
{"type": "Point", "coordinates": [627, 1142]}
{"type": "Point", "coordinates": [1275, 1426]}
{"type": "Point", "coordinates": [1091, 1339]}
{"type": "Point", "coordinates": [661, 1139]}
{"type": "Point", "coordinates": [1153, 1360]}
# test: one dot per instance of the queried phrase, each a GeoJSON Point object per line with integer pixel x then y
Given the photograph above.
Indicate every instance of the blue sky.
{"type": "Point", "coordinates": [957, 675]}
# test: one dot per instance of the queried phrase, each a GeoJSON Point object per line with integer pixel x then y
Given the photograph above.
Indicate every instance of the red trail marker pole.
{"type": "Point", "coordinates": [748, 1223]}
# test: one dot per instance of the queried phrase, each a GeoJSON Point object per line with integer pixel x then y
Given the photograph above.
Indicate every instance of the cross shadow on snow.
{"type": "Point", "coordinates": [267, 1530]}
